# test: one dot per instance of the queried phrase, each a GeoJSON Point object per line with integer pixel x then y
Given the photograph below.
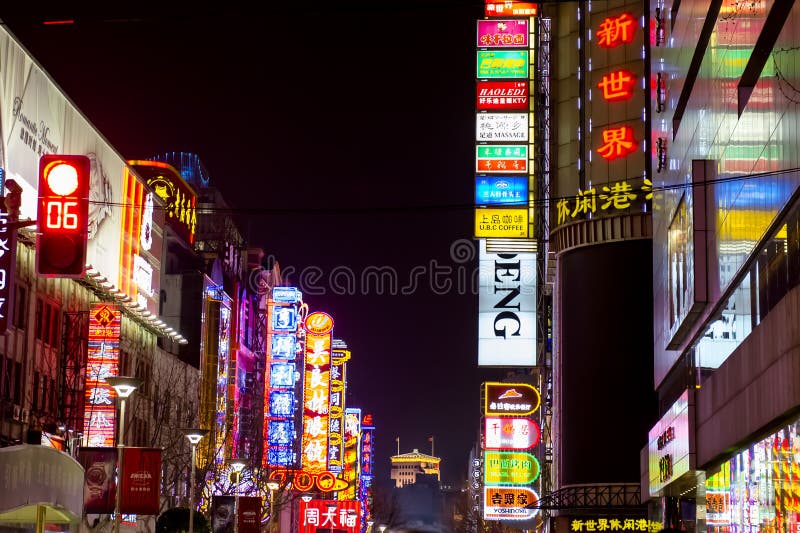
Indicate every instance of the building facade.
{"type": "Point", "coordinates": [723, 455]}
{"type": "Point", "coordinates": [405, 467]}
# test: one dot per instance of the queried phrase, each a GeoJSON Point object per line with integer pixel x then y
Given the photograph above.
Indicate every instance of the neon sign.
{"type": "Point", "coordinates": [617, 85]}
{"type": "Point", "coordinates": [511, 433]}
{"type": "Point", "coordinates": [614, 196]}
{"type": "Point", "coordinates": [99, 419]}
{"type": "Point", "coordinates": [316, 404]}
{"type": "Point", "coordinates": [518, 468]}
{"type": "Point", "coordinates": [617, 142]}
{"type": "Point", "coordinates": [614, 31]}
{"type": "Point", "coordinates": [336, 414]}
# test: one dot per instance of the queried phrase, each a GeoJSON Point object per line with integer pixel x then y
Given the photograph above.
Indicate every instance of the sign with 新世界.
{"type": "Point", "coordinates": [520, 399]}
{"type": "Point", "coordinates": [501, 95]}
{"type": "Point", "coordinates": [499, 190]}
{"type": "Point", "coordinates": [501, 158]}
{"type": "Point", "coordinates": [502, 33]}
{"type": "Point", "coordinates": [502, 64]}
{"type": "Point", "coordinates": [516, 468]}
{"type": "Point", "coordinates": [501, 127]}
{"type": "Point", "coordinates": [509, 503]}
{"type": "Point", "coordinates": [501, 222]}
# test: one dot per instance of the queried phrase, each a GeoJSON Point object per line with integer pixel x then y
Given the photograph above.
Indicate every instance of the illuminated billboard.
{"type": "Point", "coordinates": [519, 399]}
{"type": "Point", "coordinates": [180, 200]}
{"type": "Point", "coordinates": [508, 503]}
{"type": "Point", "coordinates": [352, 441]}
{"type": "Point", "coordinates": [670, 453]}
{"type": "Point", "coordinates": [501, 222]}
{"type": "Point", "coordinates": [501, 127]}
{"type": "Point", "coordinates": [510, 433]}
{"type": "Point", "coordinates": [502, 64]}
{"type": "Point", "coordinates": [142, 244]}
{"type": "Point", "coordinates": [501, 95]}
{"type": "Point", "coordinates": [506, 309]}
{"type": "Point", "coordinates": [316, 404]}
{"type": "Point", "coordinates": [501, 158]}
{"type": "Point", "coordinates": [336, 413]}
{"type": "Point", "coordinates": [517, 468]}
{"type": "Point", "coordinates": [340, 516]}
{"type": "Point", "coordinates": [503, 33]}
{"type": "Point", "coordinates": [501, 190]}
{"type": "Point", "coordinates": [504, 8]}
{"type": "Point", "coordinates": [281, 388]}
{"type": "Point", "coordinates": [99, 418]}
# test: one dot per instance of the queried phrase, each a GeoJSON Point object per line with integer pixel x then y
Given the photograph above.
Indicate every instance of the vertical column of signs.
{"type": "Point", "coordinates": [316, 393]}
{"type": "Point", "coordinates": [502, 132]}
{"type": "Point", "coordinates": [283, 352]}
{"type": "Point", "coordinates": [339, 359]}
{"type": "Point", "coordinates": [509, 467]}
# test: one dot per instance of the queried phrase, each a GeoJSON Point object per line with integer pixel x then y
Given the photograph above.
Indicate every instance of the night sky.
{"type": "Point", "coordinates": [344, 136]}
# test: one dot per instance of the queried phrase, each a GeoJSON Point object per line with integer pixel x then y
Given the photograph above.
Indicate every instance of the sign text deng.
{"type": "Point", "coordinates": [507, 281]}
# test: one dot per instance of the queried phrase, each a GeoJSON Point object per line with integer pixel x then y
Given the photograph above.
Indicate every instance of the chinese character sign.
{"type": "Point", "coordinates": [8, 253]}
{"type": "Point", "coordinates": [99, 416]}
{"type": "Point", "coordinates": [330, 515]}
{"type": "Point", "coordinates": [336, 414]}
{"type": "Point", "coordinates": [502, 33]}
{"type": "Point", "coordinates": [509, 503]}
{"type": "Point", "coordinates": [316, 402]}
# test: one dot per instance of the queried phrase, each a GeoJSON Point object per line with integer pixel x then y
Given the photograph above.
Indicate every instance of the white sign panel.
{"type": "Point", "coordinates": [35, 119]}
{"type": "Point", "coordinates": [506, 309]}
{"type": "Point", "coordinates": [498, 127]}
{"type": "Point", "coordinates": [671, 454]}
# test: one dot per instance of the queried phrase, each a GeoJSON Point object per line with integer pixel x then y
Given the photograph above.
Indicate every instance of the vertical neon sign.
{"type": "Point", "coordinates": [103, 361]}
{"type": "Point", "coordinates": [316, 400]}
{"type": "Point", "coordinates": [336, 423]}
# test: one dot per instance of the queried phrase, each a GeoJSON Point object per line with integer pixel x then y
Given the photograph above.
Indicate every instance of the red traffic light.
{"type": "Point", "coordinates": [62, 215]}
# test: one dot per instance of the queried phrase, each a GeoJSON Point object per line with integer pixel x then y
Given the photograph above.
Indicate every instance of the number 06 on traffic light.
{"type": "Point", "coordinates": [62, 215]}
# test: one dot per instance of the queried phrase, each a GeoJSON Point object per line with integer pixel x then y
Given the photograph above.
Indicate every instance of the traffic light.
{"type": "Point", "coordinates": [62, 216]}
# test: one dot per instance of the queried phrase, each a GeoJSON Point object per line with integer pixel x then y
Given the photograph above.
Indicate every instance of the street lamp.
{"type": "Point", "coordinates": [194, 436]}
{"type": "Point", "coordinates": [382, 527]}
{"type": "Point", "coordinates": [369, 525]}
{"type": "Point", "coordinates": [124, 386]}
{"type": "Point", "coordinates": [237, 465]}
{"type": "Point", "coordinates": [272, 486]}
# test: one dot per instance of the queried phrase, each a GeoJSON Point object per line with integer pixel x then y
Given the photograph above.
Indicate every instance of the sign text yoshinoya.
{"type": "Point", "coordinates": [506, 309]}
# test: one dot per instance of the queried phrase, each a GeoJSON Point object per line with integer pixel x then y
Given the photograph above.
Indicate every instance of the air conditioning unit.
{"type": "Point", "coordinates": [17, 412]}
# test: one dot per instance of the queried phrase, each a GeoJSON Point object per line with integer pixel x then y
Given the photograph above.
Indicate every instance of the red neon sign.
{"type": "Point", "coordinates": [614, 31]}
{"type": "Point", "coordinates": [617, 142]}
{"type": "Point", "coordinates": [617, 85]}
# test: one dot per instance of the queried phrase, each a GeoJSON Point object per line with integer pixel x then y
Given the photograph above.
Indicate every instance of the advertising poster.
{"type": "Point", "coordinates": [222, 513]}
{"type": "Point", "coordinates": [141, 480]}
{"type": "Point", "coordinates": [249, 514]}
{"type": "Point", "coordinates": [99, 487]}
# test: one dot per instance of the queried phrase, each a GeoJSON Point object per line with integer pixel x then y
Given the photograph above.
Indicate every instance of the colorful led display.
{"type": "Point", "coordinates": [502, 64]}
{"type": "Point", "coordinates": [339, 359]}
{"type": "Point", "coordinates": [99, 419]}
{"type": "Point", "coordinates": [502, 33]}
{"type": "Point", "coordinates": [501, 95]}
{"type": "Point", "coordinates": [316, 403]}
{"type": "Point", "coordinates": [223, 369]}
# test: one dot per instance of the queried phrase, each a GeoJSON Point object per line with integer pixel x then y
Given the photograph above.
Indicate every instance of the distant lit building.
{"type": "Point", "coordinates": [407, 466]}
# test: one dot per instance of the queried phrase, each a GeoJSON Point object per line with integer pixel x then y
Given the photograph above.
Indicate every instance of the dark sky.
{"type": "Point", "coordinates": [345, 132]}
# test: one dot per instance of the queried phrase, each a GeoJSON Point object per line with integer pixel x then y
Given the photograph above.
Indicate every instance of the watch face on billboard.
{"type": "Point", "coordinates": [520, 399]}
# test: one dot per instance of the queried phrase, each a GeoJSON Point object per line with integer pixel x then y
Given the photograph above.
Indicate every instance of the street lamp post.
{"type": "Point", "coordinates": [194, 436]}
{"type": "Point", "coordinates": [237, 465]}
{"type": "Point", "coordinates": [272, 486]}
{"type": "Point", "coordinates": [124, 386]}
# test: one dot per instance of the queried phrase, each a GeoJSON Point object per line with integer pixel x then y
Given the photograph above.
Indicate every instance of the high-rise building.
{"type": "Point", "coordinates": [726, 249]}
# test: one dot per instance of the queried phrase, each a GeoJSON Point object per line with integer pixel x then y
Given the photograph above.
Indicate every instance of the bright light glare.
{"type": "Point", "coordinates": [63, 179]}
